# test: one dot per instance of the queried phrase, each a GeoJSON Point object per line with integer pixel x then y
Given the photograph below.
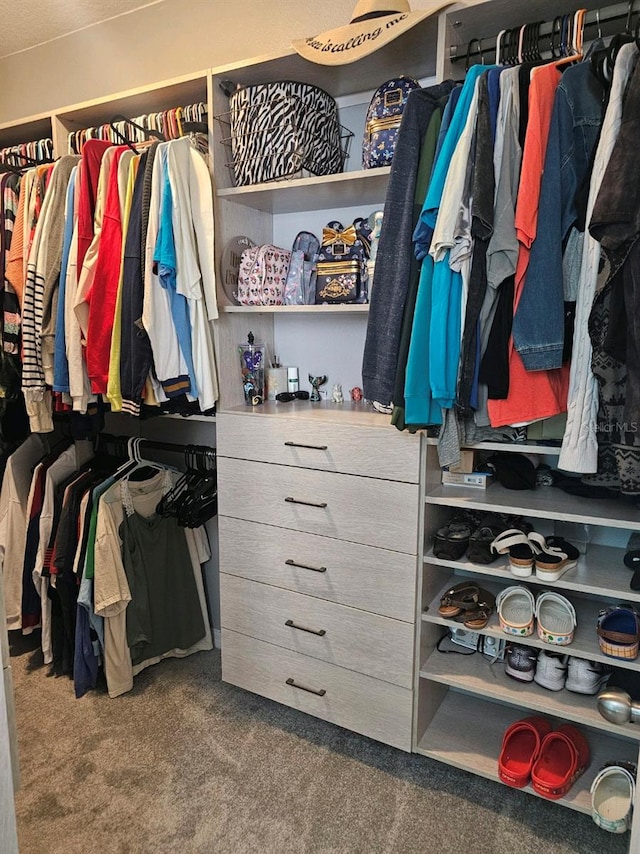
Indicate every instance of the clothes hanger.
{"type": "Point", "coordinates": [498, 46]}
{"type": "Point", "coordinates": [575, 30]}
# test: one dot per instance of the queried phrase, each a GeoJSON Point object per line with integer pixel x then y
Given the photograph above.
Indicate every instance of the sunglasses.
{"type": "Point", "coordinates": [288, 396]}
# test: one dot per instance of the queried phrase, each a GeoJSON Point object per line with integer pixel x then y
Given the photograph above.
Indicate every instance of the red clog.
{"type": "Point", "coordinates": [520, 748]}
{"type": "Point", "coordinates": [564, 756]}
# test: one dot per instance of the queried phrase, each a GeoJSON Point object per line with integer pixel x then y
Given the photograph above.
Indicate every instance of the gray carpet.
{"type": "Point", "coordinates": [188, 764]}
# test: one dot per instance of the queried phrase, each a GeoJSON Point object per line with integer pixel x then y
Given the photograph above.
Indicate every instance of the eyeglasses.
{"type": "Point", "coordinates": [288, 396]}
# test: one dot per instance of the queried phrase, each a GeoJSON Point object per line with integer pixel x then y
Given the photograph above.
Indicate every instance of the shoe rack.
{"type": "Point", "coordinates": [464, 703]}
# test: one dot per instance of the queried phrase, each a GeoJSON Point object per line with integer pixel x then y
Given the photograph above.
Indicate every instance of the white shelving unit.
{"type": "Point", "coordinates": [465, 702]}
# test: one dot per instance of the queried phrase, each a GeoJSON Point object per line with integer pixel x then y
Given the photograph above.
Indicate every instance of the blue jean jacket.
{"type": "Point", "coordinates": [538, 325]}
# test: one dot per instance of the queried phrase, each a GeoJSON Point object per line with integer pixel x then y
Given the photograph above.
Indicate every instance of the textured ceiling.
{"type": "Point", "coordinates": [28, 23]}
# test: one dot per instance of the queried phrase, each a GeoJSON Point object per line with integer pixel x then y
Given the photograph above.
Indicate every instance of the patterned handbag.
{"type": "Point", "coordinates": [341, 268]}
{"type": "Point", "coordinates": [262, 275]}
{"type": "Point", "coordinates": [383, 121]}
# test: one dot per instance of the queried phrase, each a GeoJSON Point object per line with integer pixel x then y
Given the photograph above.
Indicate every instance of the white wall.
{"type": "Point", "coordinates": [153, 44]}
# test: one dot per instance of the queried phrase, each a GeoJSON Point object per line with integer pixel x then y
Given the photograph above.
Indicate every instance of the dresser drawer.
{"type": "Point", "coordinates": [358, 703]}
{"type": "Point", "coordinates": [359, 509]}
{"type": "Point", "coordinates": [370, 644]}
{"type": "Point", "coordinates": [376, 580]}
{"type": "Point", "coordinates": [373, 452]}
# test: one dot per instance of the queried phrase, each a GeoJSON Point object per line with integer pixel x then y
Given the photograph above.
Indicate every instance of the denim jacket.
{"type": "Point", "coordinates": [538, 326]}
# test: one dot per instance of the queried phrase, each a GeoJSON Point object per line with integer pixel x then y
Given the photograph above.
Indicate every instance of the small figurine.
{"type": "Point", "coordinates": [356, 394]}
{"type": "Point", "coordinates": [336, 394]}
{"type": "Point", "coordinates": [316, 382]}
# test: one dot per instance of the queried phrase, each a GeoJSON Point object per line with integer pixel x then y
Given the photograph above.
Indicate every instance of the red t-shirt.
{"type": "Point", "coordinates": [102, 296]}
{"type": "Point", "coordinates": [92, 154]}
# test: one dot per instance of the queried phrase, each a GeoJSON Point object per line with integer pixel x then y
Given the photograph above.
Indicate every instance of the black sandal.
{"type": "Point", "coordinates": [450, 542]}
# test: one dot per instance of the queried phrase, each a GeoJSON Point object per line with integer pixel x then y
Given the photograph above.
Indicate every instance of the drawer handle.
{"type": "Point", "coordinates": [319, 632]}
{"type": "Point", "coordinates": [320, 504]}
{"type": "Point", "coordinates": [290, 562]}
{"type": "Point", "coordinates": [294, 684]}
{"type": "Point", "coordinates": [310, 447]}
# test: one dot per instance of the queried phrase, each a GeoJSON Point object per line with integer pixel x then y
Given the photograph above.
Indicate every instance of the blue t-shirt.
{"type": "Point", "coordinates": [60, 362]}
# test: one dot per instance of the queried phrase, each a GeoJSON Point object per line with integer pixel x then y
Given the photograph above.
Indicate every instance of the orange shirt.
{"type": "Point", "coordinates": [532, 394]}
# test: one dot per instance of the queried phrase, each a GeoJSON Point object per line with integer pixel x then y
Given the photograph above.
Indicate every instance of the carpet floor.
{"type": "Point", "coordinates": [185, 763]}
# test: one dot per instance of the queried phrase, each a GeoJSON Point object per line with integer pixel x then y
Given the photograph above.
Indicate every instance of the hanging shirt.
{"type": "Point", "coordinates": [579, 451]}
{"type": "Point", "coordinates": [101, 298]}
{"type": "Point", "coordinates": [195, 279]}
{"type": "Point", "coordinates": [165, 259]}
{"type": "Point", "coordinates": [170, 366]}
{"type": "Point", "coordinates": [540, 394]}
{"type": "Point", "coordinates": [114, 393]}
{"type": "Point", "coordinates": [60, 361]}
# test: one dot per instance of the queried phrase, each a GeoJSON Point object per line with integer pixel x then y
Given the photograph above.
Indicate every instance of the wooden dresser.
{"type": "Point", "coordinates": [318, 547]}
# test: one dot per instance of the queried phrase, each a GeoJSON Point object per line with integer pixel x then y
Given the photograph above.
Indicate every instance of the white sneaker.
{"type": "Point", "coordinates": [551, 670]}
{"type": "Point", "coordinates": [587, 677]}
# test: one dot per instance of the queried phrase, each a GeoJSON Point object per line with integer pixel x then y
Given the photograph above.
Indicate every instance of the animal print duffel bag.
{"type": "Point", "coordinates": [283, 130]}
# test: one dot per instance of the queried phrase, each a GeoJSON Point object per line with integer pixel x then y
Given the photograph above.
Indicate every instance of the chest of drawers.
{"type": "Point", "coordinates": [318, 529]}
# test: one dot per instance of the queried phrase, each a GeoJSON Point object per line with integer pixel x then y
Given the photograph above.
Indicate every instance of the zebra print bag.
{"type": "Point", "coordinates": [283, 130]}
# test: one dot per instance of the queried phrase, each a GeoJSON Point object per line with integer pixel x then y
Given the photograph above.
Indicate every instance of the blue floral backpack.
{"type": "Point", "coordinates": [341, 271]}
{"type": "Point", "coordinates": [383, 120]}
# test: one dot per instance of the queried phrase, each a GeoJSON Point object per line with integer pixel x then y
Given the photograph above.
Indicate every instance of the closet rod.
{"type": "Point", "coordinates": [151, 444]}
{"type": "Point", "coordinates": [594, 18]}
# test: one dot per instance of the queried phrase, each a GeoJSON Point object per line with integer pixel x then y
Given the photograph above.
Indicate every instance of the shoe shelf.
{"type": "Point", "coordinates": [600, 572]}
{"type": "Point", "coordinates": [474, 674]}
{"type": "Point", "coordinates": [368, 186]}
{"type": "Point", "coordinates": [509, 447]}
{"type": "Point", "coordinates": [585, 639]}
{"type": "Point", "coordinates": [467, 731]}
{"type": "Point", "coordinates": [544, 502]}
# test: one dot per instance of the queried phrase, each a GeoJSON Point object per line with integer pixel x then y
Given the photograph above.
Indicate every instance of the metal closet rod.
{"type": "Point", "coordinates": [593, 18]}
{"type": "Point", "coordinates": [152, 444]}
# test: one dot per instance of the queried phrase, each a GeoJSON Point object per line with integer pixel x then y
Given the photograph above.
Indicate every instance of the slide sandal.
{"type": "Point", "coordinates": [520, 748]}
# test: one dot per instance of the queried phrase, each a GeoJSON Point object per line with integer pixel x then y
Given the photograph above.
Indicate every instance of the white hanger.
{"type": "Point", "coordinates": [499, 45]}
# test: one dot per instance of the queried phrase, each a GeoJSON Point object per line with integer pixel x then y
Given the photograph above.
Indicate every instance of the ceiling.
{"type": "Point", "coordinates": [28, 23]}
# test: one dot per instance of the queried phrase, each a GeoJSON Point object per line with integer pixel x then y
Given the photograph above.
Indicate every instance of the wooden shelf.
{"type": "Point", "coordinates": [295, 309]}
{"type": "Point", "coordinates": [474, 674]}
{"type": "Point", "coordinates": [545, 502]}
{"type": "Point", "coordinates": [585, 640]}
{"type": "Point", "coordinates": [364, 187]}
{"type": "Point", "coordinates": [600, 572]}
{"type": "Point", "coordinates": [412, 54]}
{"type": "Point", "coordinates": [25, 130]}
{"type": "Point", "coordinates": [347, 413]}
{"type": "Point", "coordinates": [467, 732]}
{"type": "Point", "coordinates": [510, 447]}
{"type": "Point", "coordinates": [178, 92]}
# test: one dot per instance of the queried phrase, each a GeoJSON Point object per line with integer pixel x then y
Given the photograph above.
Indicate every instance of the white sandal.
{"type": "Point", "coordinates": [521, 552]}
{"type": "Point", "coordinates": [556, 618]}
{"type": "Point", "coordinates": [516, 611]}
{"type": "Point", "coordinates": [554, 556]}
